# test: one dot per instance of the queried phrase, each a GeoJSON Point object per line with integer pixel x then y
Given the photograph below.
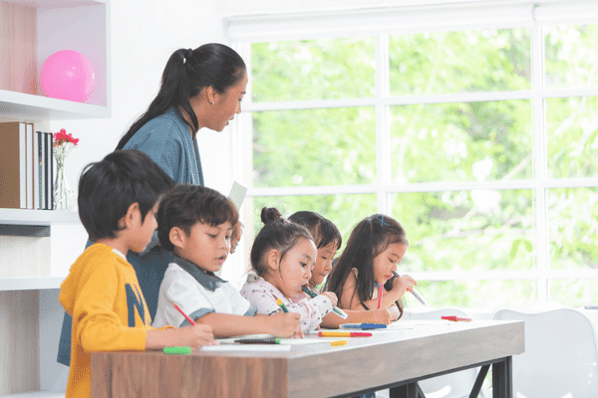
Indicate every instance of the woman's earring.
{"type": "Point", "coordinates": [212, 102]}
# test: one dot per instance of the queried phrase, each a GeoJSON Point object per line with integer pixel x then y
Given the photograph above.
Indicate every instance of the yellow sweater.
{"type": "Point", "coordinates": [109, 312]}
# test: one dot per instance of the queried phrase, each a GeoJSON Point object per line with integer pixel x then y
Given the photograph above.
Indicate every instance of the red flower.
{"type": "Point", "coordinates": [62, 137]}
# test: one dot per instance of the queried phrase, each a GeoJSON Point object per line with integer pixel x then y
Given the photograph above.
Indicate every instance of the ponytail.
{"type": "Point", "coordinates": [186, 73]}
{"type": "Point", "coordinates": [277, 234]}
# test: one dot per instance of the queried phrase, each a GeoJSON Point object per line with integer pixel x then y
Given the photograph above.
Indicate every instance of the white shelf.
{"type": "Point", "coordinates": [31, 283]}
{"type": "Point", "coordinates": [31, 107]}
{"type": "Point", "coordinates": [37, 217]}
{"type": "Point", "coordinates": [35, 394]}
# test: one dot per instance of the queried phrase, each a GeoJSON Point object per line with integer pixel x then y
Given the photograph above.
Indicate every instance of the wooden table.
{"type": "Point", "coordinates": [395, 359]}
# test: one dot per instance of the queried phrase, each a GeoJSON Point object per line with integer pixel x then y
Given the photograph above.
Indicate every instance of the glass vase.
{"type": "Point", "coordinates": [64, 198]}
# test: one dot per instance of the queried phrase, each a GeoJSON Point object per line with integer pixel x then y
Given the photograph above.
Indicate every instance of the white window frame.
{"type": "Point", "coordinates": [243, 30]}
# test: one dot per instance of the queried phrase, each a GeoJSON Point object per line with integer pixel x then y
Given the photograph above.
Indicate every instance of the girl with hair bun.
{"type": "Point", "coordinates": [282, 257]}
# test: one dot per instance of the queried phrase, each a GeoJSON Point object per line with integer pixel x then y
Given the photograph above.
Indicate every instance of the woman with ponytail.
{"type": "Point", "coordinates": [200, 88]}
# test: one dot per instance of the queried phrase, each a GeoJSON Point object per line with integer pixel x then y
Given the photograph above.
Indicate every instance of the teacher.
{"type": "Point", "coordinates": [200, 88]}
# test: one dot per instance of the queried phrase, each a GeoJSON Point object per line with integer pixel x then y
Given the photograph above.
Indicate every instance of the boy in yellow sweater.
{"type": "Point", "coordinates": [118, 199]}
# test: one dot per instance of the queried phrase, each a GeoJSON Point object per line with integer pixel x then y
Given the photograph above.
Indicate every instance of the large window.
{"type": "Point", "coordinates": [481, 139]}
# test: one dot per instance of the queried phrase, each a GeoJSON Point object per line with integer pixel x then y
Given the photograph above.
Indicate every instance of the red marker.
{"type": "Point", "coordinates": [455, 318]}
{"type": "Point", "coordinates": [191, 321]}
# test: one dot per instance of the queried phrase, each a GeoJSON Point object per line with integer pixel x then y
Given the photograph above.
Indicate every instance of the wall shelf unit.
{"type": "Point", "coordinates": [36, 245]}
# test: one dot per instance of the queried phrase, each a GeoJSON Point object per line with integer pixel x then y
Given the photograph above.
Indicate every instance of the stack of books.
{"type": "Point", "coordinates": [26, 167]}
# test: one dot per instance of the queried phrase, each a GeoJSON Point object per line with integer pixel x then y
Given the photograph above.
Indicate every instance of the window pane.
{"type": "Point", "coordinates": [573, 292]}
{"type": "Point", "coordinates": [573, 228]}
{"type": "Point", "coordinates": [314, 147]}
{"type": "Point", "coordinates": [313, 69]}
{"type": "Point", "coordinates": [571, 56]}
{"type": "Point", "coordinates": [476, 141]}
{"type": "Point", "coordinates": [572, 129]}
{"type": "Point", "coordinates": [474, 293]}
{"type": "Point", "coordinates": [467, 231]}
{"type": "Point", "coordinates": [345, 211]}
{"type": "Point", "coordinates": [455, 62]}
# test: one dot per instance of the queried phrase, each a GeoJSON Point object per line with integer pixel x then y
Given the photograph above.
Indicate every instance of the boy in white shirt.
{"type": "Point", "coordinates": [196, 223]}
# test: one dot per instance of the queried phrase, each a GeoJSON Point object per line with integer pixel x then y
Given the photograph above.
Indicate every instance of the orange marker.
{"type": "Point", "coordinates": [344, 334]}
{"type": "Point", "coordinates": [338, 342]}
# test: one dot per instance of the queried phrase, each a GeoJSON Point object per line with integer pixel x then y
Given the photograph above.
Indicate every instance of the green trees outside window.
{"type": "Point", "coordinates": [487, 155]}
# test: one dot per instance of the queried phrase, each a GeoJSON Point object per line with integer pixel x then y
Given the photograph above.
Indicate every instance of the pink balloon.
{"type": "Point", "coordinates": [68, 75]}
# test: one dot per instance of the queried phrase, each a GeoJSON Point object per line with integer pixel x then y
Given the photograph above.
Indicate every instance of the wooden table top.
{"type": "Point", "coordinates": [407, 350]}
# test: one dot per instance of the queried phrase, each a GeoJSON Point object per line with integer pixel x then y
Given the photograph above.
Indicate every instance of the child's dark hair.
{"type": "Point", "coordinates": [369, 238]}
{"type": "Point", "coordinates": [186, 204]}
{"type": "Point", "coordinates": [108, 188]}
{"type": "Point", "coordinates": [186, 73]}
{"type": "Point", "coordinates": [277, 234]}
{"type": "Point", "coordinates": [322, 230]}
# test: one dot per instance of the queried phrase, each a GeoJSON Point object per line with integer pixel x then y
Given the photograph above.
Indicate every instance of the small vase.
{"type": "Point", "coordinates": [64, 198]}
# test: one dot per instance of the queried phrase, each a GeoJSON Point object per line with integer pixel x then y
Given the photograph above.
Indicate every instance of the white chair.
{"type": "Point", "coordinates": [560, 358]}
{"type": "Point", "coordinates": [452, 385]}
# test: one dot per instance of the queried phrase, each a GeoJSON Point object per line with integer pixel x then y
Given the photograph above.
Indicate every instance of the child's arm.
{"type": "Point", "coordinates": [350, 300]}
{"type": "Point", "coordinates": [382, 315]}
{"type": "Point", "coordinates": [194, 336]}
{"type": "Point", "coordinates": [278, 324]}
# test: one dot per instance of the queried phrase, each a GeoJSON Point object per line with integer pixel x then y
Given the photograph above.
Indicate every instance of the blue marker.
{"type": "Point", "coordinates": [363, 326]}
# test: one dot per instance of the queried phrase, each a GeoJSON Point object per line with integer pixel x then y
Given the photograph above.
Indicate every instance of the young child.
{"type": "Point", "coordinates": [363, 277]}
{"type": "Point", "coordinates": [328, 240]}
{"type": "Point", "coordinates": [196, 224]}
{"type": "Point", "coordinates": [282, 256]}
{"type": "Point", "coordinates": [118, 198]}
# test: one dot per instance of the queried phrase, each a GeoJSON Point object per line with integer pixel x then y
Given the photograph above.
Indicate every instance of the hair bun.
{"type": "Point", "coordinates": [270, 214]}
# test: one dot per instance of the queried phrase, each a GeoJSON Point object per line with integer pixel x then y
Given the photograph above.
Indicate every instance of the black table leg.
{"type": "Point", "coordinates": [502, 379]}
{"type": "Point", "coordinates": [411, 390]}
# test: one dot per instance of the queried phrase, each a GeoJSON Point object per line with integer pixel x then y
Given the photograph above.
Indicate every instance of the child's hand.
{"type": "Point", "coordinates": [236, 236]}
{"type": "Point", "coordinates": [393, 312]}
{"type": "Point", "coordinates": [285, 324]}
{"type": "Point", "coordinates": [403, 284]}
{"type": "Point", "coordinates": [197, 335]}
{"type": "Point", "coordinates": [384, 315]}
{"type": "Point", "coordinates": [332, 297]}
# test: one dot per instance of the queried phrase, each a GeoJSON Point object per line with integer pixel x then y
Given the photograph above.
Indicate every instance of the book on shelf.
{"type": "Point", "coordinates": [26, 167]}
{"type": "Point", "coordinates": [13, 165]}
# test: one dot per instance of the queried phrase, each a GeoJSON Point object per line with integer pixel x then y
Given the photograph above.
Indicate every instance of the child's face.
{"type": "Point", "coordinates": [386, 262]}
{"type": "Point", "coordinates": [323, 263]}
{"type": "Point", "coordinates": [295, 268]}
{"type": "Point", "coordinates": [206, 246]}
{"type": "Point", "coordinates": [146, 229]}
